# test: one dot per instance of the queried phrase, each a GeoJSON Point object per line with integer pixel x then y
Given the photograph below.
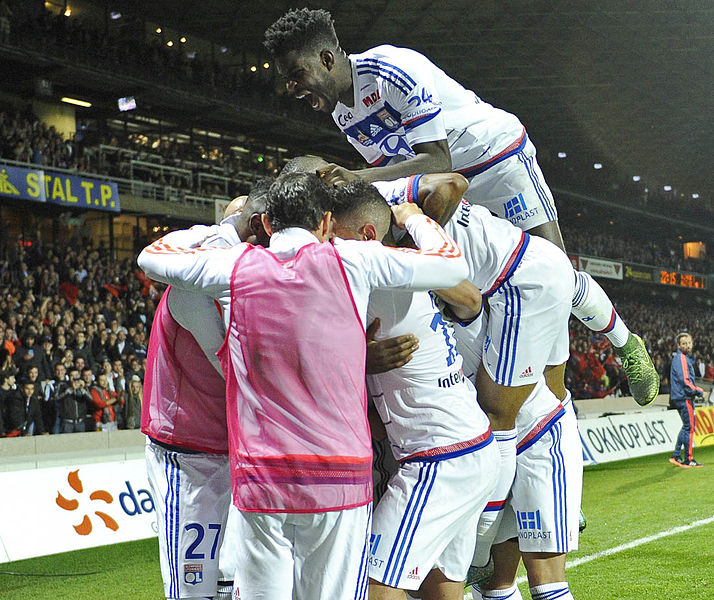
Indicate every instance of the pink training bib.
{"type": "Point", "coordinates": [184, 396]}
{"type": "Point", "coordinates": [294, 363]}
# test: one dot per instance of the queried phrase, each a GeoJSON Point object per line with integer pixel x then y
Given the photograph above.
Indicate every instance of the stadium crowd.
{"type": "Point", "coordinates": [595, 371]}
{"type": "Point", "coordinates": [74, 333]}
{"type": "Point", "coordinates": [659, 252]}
{"type": "Point", "coordinates": [25, 138]}
{"type": "Point", "coordinates": [73, 340]}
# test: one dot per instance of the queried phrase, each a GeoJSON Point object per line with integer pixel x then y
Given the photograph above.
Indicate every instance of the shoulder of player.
{"type": "Point", "coordinates": [390, 66]}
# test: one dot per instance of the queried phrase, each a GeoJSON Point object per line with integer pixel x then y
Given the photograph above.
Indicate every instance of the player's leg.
{"type": "Point", "coordinates": [427, 519]}
{"type": "Point", "coordinates": [192, 493]}
{"type": "Point", "coordinates": [506, 557]}
{"type": "Point", "coordinates": [227, 556]}
{"type": "Point", "coordinates": [331, 553]}
{"type": "Point", "coordinates": [546, 500]}
{"type": "Point", "coordinates": [264, 564]}
{"type": "Point", "coordinates": [515, 189]}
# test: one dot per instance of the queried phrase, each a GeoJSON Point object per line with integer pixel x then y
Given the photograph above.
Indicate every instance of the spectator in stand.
{"type": "Point", "coordinates": [682, 396]}
{"type": "Point", "coordinates": [50, 401]}
{"type": "Point", "coordinates": [87, 376]}
{"type": "Point", "coordinates": [8, 388]}
{"type": "Point", "coordinates": [122, 348]}
{"type": "Point", "coordinates": [82, 349]}
{"type": "Point", "coordinates": [132, 408]}
{"type": "Point", "coordinates": [75, 401]}
{"type": "Point", "coordinates": [135, 368]}
{"type": "Point", "coordinates": [24, 416]}
{"type": "Point", "coordinates": [46, 359]}
{"type": "Point", "coordinates": [29, 353]}
{"type": "Point", "coordinates": [104, 401]}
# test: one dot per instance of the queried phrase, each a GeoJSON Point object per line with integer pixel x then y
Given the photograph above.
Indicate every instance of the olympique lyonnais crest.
{"type": "Point", "coordinates": [388, 119]}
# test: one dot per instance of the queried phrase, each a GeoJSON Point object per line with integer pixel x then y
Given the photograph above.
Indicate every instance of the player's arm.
{"type": "Point", "coordinates": [437, 194]}
{"type": "Point", "coordinates": [437, 263]}
{"type": "Point", "coordinates": [431, 157]}
{"type": "Point", "coordinates": [463, 302]}
{"type": "Point", "coordinates": [176, 260]}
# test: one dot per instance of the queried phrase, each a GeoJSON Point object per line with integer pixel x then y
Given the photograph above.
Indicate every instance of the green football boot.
{"type": "Point", "coordinates": [641, 373]}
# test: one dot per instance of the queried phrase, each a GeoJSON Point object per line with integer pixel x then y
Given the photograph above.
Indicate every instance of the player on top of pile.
{"type": "Point", "coordinates": [406, 116]}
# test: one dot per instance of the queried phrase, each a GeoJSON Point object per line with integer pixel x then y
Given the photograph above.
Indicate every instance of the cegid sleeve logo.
{"type": "Point", "coordinates": [85, 526]}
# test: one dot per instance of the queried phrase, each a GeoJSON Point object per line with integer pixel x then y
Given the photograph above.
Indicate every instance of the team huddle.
{"type": "Point", "coordinates": [333, 312]}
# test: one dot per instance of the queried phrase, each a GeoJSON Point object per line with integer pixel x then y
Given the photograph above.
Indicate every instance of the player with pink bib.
{"type": "Point", "coordinates": [184, 418]}
{"type": "Point", "coordinates": [294, 359]}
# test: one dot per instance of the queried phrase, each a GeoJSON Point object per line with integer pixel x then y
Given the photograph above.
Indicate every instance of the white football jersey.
{"type": "Point", "coordinates": [402, 99]}
{"type": "Point", "coordinates": [428, 407]}
{"type": "Point", "coordinates": [492, 247]}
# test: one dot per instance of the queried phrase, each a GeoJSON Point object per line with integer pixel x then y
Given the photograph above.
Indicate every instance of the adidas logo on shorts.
{"type": "Point", "coordinates": [414, 574]}
{"type": "Point", "coordinates": [527, 373]}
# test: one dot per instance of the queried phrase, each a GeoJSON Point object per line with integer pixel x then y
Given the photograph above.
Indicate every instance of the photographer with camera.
{"type": "Point", "coordinates": [73, 399]}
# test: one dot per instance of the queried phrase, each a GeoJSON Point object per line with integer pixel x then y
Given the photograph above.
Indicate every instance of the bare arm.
{"type": "Point", "coordinates": [431, 157]}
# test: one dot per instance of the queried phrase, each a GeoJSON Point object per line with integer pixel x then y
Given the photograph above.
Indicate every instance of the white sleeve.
{"type": "Point", "coordinates": [437, 264]}
{"type": "Point", "coordinates": [199, 315]}
{"type": "Point", "coordinates": [416, 99]}
{"type": "Point", "coordinates": [401, 190]}
{"type": "Point", "coordinates": [175, 259]}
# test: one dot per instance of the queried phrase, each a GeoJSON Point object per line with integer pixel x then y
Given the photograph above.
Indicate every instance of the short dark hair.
{"type": "Point", "coordinates": [302, 164]}
{"type": "Point", "coordinates": [300, 28]}
{"type": "Point", "coordinates": [359, 199]}
{"type": "Point", "coordinates": [298, 200]}
{"type": "Point", "coordinates": [681, 335]}
{"type": "Point", "coordinates": [255, 203]}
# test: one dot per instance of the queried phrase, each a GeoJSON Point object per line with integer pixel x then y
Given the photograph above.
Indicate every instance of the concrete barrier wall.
{"type": "Point", "coordinates": [37, 451]}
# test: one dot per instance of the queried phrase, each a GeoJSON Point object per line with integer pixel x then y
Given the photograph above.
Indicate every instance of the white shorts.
{"type": "Point", "coordinates": [515, 189]}
{"type": "Point", "coordinates": [544, 506]}
{"type": "Point", "coordinates": [192, 495]}
{"type": "Point", "coordinates": [289, 556]}
{"type": "Point", "coordinates": [528, 323]}
{"type": "Point", "coordinates": [428, 516]}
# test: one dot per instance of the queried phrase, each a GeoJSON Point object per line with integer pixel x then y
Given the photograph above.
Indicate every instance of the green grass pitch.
{"type": "Point", "coordinates": [624, 502]}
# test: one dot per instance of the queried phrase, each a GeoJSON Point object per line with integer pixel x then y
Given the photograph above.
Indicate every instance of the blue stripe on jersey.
{"type": "Point", "coordinates": [515, 333]}
{"type": "Point", "coordinates": [542, 196]}
{"type": "Point", "coordinates": [415, 489]}
{"type": "Point", "coordinates": [409, 125]}
{"type": "Point", "coordinates": [361, 587]}
{"type": "Point", "coordinates": [502, 346]}
{"type": "Point", "coordinates": [416, 523]}
{"type": "Point", "coordinates": [178, 519]}
{"type": "Point", "coordinates": [558, 482]}
{"type": "Point", "coordinates": [387, 76]}
{"type": "Point", "coordinates": [167, 516]}
{"type": "Point", "coordinates": [414, 191]}
{"type": "Point", "coordinates": [439, 457]}
{"type": "Point", "coordinates": [386, 65]}
{"type": "Point", "coordinates": [542, 432]}
{"type": "Point", "coordinates": [425, 473]}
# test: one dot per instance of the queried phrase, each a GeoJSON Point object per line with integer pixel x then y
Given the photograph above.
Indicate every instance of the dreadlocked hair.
{"type": "Point", "coordinates": [298, 29]}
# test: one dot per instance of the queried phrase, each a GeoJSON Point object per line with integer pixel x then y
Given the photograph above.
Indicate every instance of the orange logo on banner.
{"type": "Point", "coordinates": [85, 527]}
{"type": "Point", "coordinates": [704, 427]}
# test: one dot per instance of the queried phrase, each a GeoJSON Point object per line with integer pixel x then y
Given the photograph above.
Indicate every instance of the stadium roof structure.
{"type": "Point", "coordinates": [630, 83]}
{"type": "Point", "coordinates": [625, 84]}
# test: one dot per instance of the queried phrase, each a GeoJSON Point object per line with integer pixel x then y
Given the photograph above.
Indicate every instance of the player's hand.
{"type": "Point", "coordinates": [336, 175]}
{"type": "Point", "coordinates": [388, 354]}
{"type": "Point", "coordinates": [401, 212]}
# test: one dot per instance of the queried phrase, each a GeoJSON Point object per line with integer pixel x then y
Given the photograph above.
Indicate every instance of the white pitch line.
{"type": "Point", "coordinates": [628, 546]}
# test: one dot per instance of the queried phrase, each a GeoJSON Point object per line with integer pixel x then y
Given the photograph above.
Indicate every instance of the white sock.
{"type": "Point", "coordinates": [491, 517]}
{"type": "Point", "coordinates": [551, 591]}
{"type": "Point", "coordinates": [594, 309]}
{"type": "Point", "coordinates": [511, 593]}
